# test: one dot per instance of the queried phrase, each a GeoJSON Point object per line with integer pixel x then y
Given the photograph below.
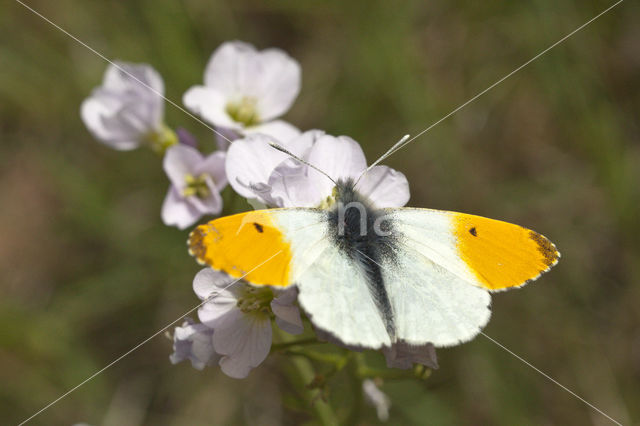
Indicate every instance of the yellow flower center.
{"type": "Point", "coordinates": [162, 139]}
{"type": "Point", "coordinates": [244, 111]}
{"type": "Point", "coordinates": [255, 300]}
{"type": "Point", "coordinates": [196, 186]}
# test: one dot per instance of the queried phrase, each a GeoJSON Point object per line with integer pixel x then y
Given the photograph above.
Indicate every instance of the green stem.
{"type": "Point", "coordinates": [305, 375]}
{"type": "Point", "coordinates": [419, 371]}
{"type": "Point", "coordinates": [337, 361]}
{"type": "Point", "coordinates": [285, 345]}
{"type": "Point", "coordinates": [301, 373]}
{"type": "Point", "coordinates": [356, 388]}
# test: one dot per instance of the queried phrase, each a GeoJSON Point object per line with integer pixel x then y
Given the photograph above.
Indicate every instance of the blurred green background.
{"type": "Point", "coordinates": [87, 269]}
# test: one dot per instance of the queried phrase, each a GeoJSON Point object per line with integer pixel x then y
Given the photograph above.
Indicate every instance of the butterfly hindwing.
{"type": "Point", "coordinates": [430, 303]}
{"type": "Point", "coordinates": [334, 292]}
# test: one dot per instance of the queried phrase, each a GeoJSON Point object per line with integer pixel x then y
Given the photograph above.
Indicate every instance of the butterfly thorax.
{"type": "Point", "coordinates": [365, 234]}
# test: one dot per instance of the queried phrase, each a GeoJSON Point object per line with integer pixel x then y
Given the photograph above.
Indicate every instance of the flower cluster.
{"type": "Point", "coordinates": [236, 324]}
{"type": "Point", "coordinates": [245, 92]}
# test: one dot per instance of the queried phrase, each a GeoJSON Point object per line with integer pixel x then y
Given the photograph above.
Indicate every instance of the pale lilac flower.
{"type": "Point", "coordinates": [128, 109]}
{"type": "Point", "coordinates": [240, 315]}
{"type": "Point", "coordinates": [378, 399]}
{"type": "Point", "coordinates": [251, 162]}
{"type": "Point", "coordinates": [195, 187]}
{"type": "Point", "coordinates": [194, 342]}
{"type": "Point", "coordinates": [245, 90]}
{"type": "Point", "coordinates": [403, 355]}
{"type": "Point", "coordinates": [257, 170]}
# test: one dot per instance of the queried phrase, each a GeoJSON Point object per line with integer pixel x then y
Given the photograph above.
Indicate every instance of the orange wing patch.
{"type": "Point", "coordinates": [247, 243]}
{"type": "Point", "coordinates": [502, 254]}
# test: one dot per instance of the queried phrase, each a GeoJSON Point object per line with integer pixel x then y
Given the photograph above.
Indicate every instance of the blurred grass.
{"type": "Point", "coordinates": [87, 270]}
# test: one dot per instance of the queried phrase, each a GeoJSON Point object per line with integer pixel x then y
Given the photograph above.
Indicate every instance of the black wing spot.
{"type": "Point", "coordinates": [259, 227]}
{"type": "Point", "coordinates": [473, 231]}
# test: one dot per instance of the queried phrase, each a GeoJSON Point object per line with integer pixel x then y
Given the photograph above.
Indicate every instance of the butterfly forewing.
{"type": "Point", "coordinates": [488, 253]}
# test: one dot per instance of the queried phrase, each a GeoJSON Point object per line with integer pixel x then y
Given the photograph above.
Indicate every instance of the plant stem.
{"type": "Point", "coordinates": [301, 373]}
{"type": "Point", "coordinates": [356, 388]}
{"type": "Point", "coordinates": [285, 345]}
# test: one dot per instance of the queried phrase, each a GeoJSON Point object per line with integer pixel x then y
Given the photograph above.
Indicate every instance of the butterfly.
{"type": "Point", "coordinates": [373, 276]}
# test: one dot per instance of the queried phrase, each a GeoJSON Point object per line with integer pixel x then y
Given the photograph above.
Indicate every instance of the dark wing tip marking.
{"type": "Point", "coordinates": [473, 231]}
{"type": "Point", "coordinates": [258, 227]}
{"type": "Point", "coordinates": [197, 248]}
{"type": "Point", "coordinates": [546, 248]}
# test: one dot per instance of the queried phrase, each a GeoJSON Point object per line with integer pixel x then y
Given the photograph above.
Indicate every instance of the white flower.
{"type": "Point", "coordinates": [245, 90]}
{"type": "Point", "coordinates": [240, 314]}
{"type": "Point", "coordinates": [195, 187]}
{"type": "Point", "coordinates": [128, 109]}
{"type": "Point", "coordinates": [403, 355]}
{"type": "Point", "coordinates": [377, 398]}
{"type": "Point", "coordinates": [257, 170]}
{"type": "Point", "coordinates": [251, 162]}
{"type": "Point", "coordinates": [194, 342]}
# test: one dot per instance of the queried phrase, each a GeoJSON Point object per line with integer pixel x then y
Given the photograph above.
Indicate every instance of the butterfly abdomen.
{"type": "Point", "coordinates": [365, 236]}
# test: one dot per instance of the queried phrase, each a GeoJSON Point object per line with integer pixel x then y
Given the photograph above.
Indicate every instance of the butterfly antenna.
{"type": "Point", "coordinates": [386, 155]}
{"type": "Point", "coordinates": [295, 157]}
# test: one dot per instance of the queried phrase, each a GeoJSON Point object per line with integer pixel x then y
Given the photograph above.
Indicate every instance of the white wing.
{"type": "Point", "coordinates": [332, 288]}
{"type": "Point", "coordinates": [447, 263]}
{"type": "Point", "coordinates": [334, 292]}
{"type": "Point", "coordinates": [430, 303]}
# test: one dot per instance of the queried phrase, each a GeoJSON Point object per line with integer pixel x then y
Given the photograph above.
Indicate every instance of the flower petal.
{"type": "Point", "coordinates": [280, 130]}
{"type": "Point", "coordinates": [302, 186]}
{"type": "Point", "coordinates": [208, 281]}
{"type": "Point", "coordinates": [340, 157]}
{"type": "Point", "coordinates": [214, 165]}
{"type": "Point", "coordinates": [194, 342]}
{"type": "Point", "coordinates": [302, 144]}
{"type": "Point", "coordinates": [179, 161]}
{"type": "Point", "coordinates": [143, 83]}
{"type": "Point", "coordinates": [385, 187]}
{"type": "Point", "coordinates": [290, 182]}
{"type": "Point", "coordinates": [122, 76]}
{"type": "Point", "coordinates": [245, 343]}
{"type": "Point", "coordinates": [278, 80]}
{"type": "Point", "coordinates": [176, 211]}
{"type": "Point", "coordinates": [291, 185]}
{"type": "Point", "coordinates": [93, 111]}
{"type": "Point", "coordinates": [228, 70]}
{"type": "Point", "coordinates": [127, 106]}
{"type": "Point", "coordinates": [286, 312]}
{"type": "Point", "coordinates": [250, 161]}
{"type": "Point", "coordinates": [210, 105]}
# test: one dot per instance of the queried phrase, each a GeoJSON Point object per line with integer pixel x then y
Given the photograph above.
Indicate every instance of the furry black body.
{"type": "Point", "coordinates": [362, 233]}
